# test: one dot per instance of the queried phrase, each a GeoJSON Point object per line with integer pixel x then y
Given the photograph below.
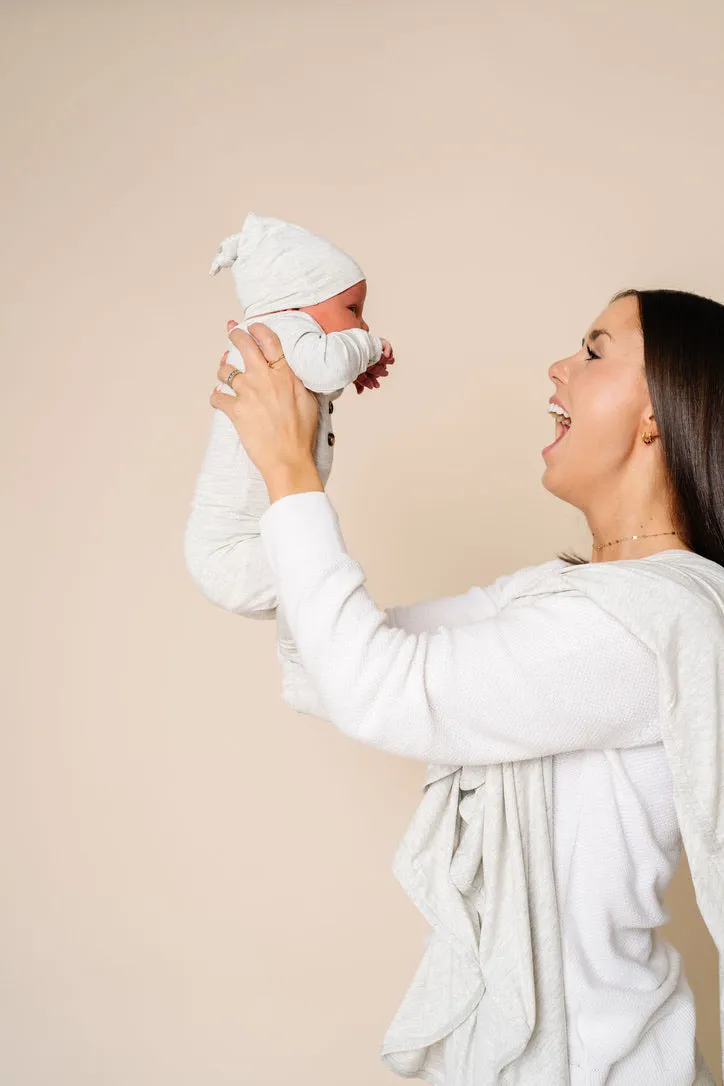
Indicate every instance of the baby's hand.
{"type": "Point", "coordinates": [368, 379]}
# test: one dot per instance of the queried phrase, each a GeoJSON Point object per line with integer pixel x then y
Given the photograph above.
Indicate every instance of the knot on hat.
{"type": "Point", "coordinates": [278, 265]}
{"type": "Point", "coordinates": [227, 254]}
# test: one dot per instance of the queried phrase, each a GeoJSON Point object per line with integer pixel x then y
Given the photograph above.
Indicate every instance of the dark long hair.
{"type": "Point", "coordinates": [683, 337]}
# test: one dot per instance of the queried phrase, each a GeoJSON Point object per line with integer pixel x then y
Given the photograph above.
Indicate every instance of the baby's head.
{"type": "Point", "coordinates": [279, 266]}
{"type": "Point", "coordinates": [341, 311]}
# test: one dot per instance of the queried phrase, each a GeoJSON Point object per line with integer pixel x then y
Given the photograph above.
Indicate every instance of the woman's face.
{"type": "Point", "coordinates": [341, 312]}
{"type": "Point", "coordinates": [601, 456]}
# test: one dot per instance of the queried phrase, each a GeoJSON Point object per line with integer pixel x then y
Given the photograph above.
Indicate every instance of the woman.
{"type": "Point", "coordinates": [644, 459]}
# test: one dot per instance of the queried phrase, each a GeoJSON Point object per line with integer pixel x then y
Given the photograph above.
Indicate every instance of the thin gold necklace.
{"type": "Point", "coordinates": [600, 546]}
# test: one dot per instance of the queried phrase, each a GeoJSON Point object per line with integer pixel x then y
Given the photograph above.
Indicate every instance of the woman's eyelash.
{"type": "Point", "coordinates": [592, 353]}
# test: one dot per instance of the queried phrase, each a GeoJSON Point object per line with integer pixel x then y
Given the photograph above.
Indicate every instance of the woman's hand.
{"type": "Point", "coordinates": [368, 379]}
{"type": "Point", "coordinates": [275, 416]}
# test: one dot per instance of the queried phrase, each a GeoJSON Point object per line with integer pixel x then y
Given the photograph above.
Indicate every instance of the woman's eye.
{"type": "Point", "coordinates": [353, 307]}
{"type": "Point", "coordinates": [591, 354]}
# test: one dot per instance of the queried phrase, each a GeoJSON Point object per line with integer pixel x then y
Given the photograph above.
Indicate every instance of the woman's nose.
{"type": "Point", "coordinates": [559, 369]}
{"type": "Point", "coordinates": [365, 326]}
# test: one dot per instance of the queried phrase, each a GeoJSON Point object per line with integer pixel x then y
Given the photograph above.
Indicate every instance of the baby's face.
{"type": "Point", "coordinates": [342, 311]}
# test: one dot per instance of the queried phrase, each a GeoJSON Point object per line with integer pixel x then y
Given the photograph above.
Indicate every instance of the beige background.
{"type": "Point", "coordinates": [197, 885]}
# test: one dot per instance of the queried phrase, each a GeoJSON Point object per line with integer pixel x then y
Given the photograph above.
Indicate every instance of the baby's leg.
{"type": "Point", "coordinates": [223, 548]}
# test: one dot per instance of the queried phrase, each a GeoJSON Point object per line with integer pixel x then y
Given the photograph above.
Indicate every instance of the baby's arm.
{"type": "Point", "coordinates": [323, 361]}
{"type": "Point", "coordinates": [222, 546]}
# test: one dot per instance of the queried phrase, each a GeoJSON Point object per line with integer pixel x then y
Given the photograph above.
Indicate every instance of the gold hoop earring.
{"type": "Point", "coordinates": [647, 438]}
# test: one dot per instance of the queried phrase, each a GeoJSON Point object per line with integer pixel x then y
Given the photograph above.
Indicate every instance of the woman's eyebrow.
{"type": "Point", "coordinates": [593, 336]}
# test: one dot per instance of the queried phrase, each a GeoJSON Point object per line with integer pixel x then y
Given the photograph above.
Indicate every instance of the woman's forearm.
{"type": "Point", "coordinates": [294, 479]}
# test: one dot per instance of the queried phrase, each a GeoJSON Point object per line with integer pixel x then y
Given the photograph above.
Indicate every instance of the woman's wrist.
{"type": "Point", "coordinates": [293, 479]}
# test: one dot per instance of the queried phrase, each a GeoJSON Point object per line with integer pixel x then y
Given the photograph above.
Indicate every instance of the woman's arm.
{"type": "Point", "coordinates": [543, 675]}
{"type": "Point", "coordinates": [300, 693]}
{"type": "Point", "coordinates": [475, 604]}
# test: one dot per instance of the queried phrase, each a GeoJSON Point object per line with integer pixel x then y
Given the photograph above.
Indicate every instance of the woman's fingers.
{"type": "Point", "coordinates": [257, 346]}
{"type": "Point", "coordinates": [248, 349]}
{"type": "Point", "coordinates": [223, 372]}
{"type": "Point", "coordinates": [269, 342]}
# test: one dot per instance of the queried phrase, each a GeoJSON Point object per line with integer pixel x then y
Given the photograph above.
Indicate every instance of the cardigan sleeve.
{"type": "Point", "coordinates": [476, 603]}
{"type": "Point", "coordinates": [300, 693]}
{"type": "Point", "coordinates": [543, 675]}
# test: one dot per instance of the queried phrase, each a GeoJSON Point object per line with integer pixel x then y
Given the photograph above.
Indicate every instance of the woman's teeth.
{"type": "Point", "coordinates": [562, 416]}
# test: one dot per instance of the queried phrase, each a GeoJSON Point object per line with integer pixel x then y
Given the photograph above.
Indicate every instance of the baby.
{"type": "Point", "coordinates": [311, 294]}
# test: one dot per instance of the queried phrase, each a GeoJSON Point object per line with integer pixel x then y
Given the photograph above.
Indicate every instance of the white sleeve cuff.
{"type": "Point", "coordinates": [301, 532]}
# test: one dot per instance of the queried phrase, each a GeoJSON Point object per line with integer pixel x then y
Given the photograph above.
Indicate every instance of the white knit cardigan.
{"type": "Point", "coordinates": [477, 856]}
{"type": "Point", "coordinates": [675, 608]}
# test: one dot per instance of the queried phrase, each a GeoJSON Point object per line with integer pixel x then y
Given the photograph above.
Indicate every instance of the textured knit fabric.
{"type": "Point", "coordinates": [486, 692]}
{"type": "Point", "coordinates": [674, 604]}
{"type": "Point", "coordinates": [616, 839]}
{"type": "Point", "coordinates": [630, 1011]}
{"type": "Point", "coordinates": [279, 265]}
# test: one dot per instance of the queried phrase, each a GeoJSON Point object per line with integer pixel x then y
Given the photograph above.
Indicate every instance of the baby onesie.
{"type": "Point", "coordinates": [222, 550]}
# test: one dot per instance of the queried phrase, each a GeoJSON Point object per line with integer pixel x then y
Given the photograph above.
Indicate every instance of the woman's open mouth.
{"type": "Point", "coordinates": [562, 428]}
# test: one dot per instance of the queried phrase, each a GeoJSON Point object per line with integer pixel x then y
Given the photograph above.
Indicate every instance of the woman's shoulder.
{"type": "Point", "coordinates": [520, 580]}
{"type": "Point", "coordinates": [530, 574]}
{"type": "Point", "coordinates": [668, 582]}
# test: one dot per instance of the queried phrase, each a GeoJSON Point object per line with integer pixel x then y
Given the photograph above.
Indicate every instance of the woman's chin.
{"type": "Point", "coordinates": [557, 484]}
{"type": "Point", "coordinates": [552, 460]}
{"type": "Point", "coordinates": [548, 483]}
